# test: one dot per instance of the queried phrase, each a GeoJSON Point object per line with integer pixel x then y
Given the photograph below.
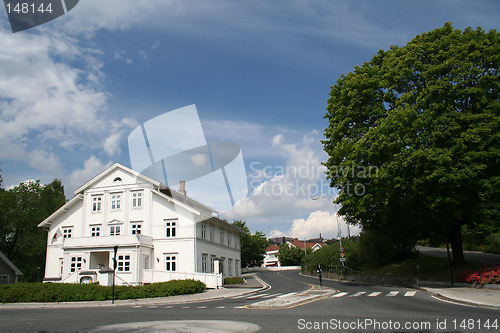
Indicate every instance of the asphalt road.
{"type": "Point", "coordinates": [349, 308]}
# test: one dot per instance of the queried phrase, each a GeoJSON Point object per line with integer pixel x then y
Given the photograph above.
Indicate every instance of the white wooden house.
{"type": "Point", "coordinates": [159, 234]}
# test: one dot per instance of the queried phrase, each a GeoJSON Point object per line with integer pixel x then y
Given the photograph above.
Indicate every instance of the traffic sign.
{"type": "Point", "coordinates": [342, 255]}
{"type": "Point", "coordinates": [341, 249]}
{"type": "Point", "coordinates": [342, 259]}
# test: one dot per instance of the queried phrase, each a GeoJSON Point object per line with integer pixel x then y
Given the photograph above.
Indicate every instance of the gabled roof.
{"type": "Point", "coordinates": [10, 264]}
{"type": "Point", "coordinates": [272, 247]}
{"type": "Point", "coordinates": [110, 169]}
{"type": "Point", "coordinates": [300, 244]}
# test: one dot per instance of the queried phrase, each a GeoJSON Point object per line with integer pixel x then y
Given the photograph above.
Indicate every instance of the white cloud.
{"type": "Point", "coordinates": [91, 167]}
{"type": "Point", "coordinates": [200, 160]}
{"type": "Point", "coordinates": [318, 222]}
{"type": "Point", "coordinates": [286, 191]}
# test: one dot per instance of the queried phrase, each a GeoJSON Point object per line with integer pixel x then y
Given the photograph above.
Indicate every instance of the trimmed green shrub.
{"type": "Point", "coordinates": [68, 292]}
{"type": "Point", "coordinates": [233, 280]}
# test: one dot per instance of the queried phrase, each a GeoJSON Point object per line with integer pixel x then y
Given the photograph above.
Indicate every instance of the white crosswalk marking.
{"type": "Point", "coordinates": [220, 307]}
{"type": "Point", "coordinates": [410, 293]}
{"type": "Point", "coordinates": [289, 294]}
{"type": "Point", "coordinates": [340, 294]}
{"type": "Point", "coordinates": [358, 294]}
{"type": "Point", "coordinates": [374, 294]}
{"type": "Point", "coordinates": [392, 293]}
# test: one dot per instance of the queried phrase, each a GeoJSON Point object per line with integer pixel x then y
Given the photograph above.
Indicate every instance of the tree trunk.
{"type": "Point", "coordinates": [455, 236]}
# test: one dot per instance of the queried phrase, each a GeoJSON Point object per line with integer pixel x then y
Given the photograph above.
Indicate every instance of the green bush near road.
{"type": "Point", "coordinates": [233, 280]}
{"type": "Point", "coordinates": [66, 292]}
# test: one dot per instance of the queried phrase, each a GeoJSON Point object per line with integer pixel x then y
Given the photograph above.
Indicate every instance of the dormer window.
{"type": "Point", "coordinates": [117, 179]}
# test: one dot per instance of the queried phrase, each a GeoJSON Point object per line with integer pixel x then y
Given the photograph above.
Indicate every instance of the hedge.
{"type": "Point", "coordinates": [69, 292]}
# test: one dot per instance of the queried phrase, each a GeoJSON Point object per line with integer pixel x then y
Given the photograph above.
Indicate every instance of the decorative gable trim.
{"type": "Point", "coordinates": [48, 221]}
{"type": "Point", "coordinates": [110, 169]}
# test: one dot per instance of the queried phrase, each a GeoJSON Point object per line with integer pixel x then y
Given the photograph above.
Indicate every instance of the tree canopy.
{"type": "Point", "coordinates": [413, 138]}
{"type": "Point", "coordinates": [22, 208]}
{"type": "Point", "coordinates": [253, 246]}
{"type": "Point", "coordinates": [290, 255]}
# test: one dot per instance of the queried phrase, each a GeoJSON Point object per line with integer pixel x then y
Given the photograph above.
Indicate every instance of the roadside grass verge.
{"type": "Point", "coordinates": [68, 292]}
{"type": "Point", "coordinates": [422, 267]}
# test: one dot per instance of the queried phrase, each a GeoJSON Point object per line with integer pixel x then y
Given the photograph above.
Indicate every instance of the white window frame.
{"type": "Point", "coordinates": [116, 201]}
{"type": "Point", "coordinates": [212, 233]}
{"type": "Point", "coordinates": [170, 227]}
{"type": "Point", "coordinates": [136, 228]}
{"type": "Point", "coordinates": [97, 203]}
{"type": "Point", "coordinates": [212, 263]}
{"type": "Point", "coordinates": [67, 231]}
{"type": "Point", "coordinates": [230, 267]}
{"type": "Point", "coordinates": [115, 230]}
{"type": "Point", "coordinates": [123, 263]}
{"type": "Point", "coordinates": [137, 199]}
{"type": "Point", "coordinates": [170, 260]}
{"type": "Point", "coordinates": [204, 262]}
{"type": "Point", "coordinates": [203, 231]}
{"type": "Point", "coordinates": [76, 264]}
{"type": "Point", "coordinates": [95, 230]}
{"type": "Point", "coordinates": [222, 232]}
{"type": "Point", "coordinates": [229, 239]}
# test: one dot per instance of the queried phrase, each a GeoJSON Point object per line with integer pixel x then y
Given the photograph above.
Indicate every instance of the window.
{"type": "Point", "coordinates": [170, 227]}
{"type": "Point", "coordinates": [204, 264]}
{"type": "Point", "coordinates": [146, 261]}
{"type": "Point", "coordinates": [222, 237]}
{"type": "Point", "coordinates": [136, 228]}
{"type": "Point", "coordinates": [67, 232]}
{"type": "Point", "coordinates": [4, 279]}
{"type": "Point", "coordinates": [229, 238]}
{"type": "Point", "coordinates": [230, 267]}
{"type": "Point", "coordinates": [123, 263]}
{"type": "Point", "coordinates": [95, 230]}
{"type": "Point", "coordinates": [114, 230]}
{"type": "Point", "coordinates": [171, 262]}
{"type": "Point", "coordinates": [116, 201]}
{"type": "Point", "coordinates": [136, 199]}
{"type": "Point", "coordinates": [76, 264]}
{"type": "Point", "coordinates": [61, 266]}
{"type": "Point", "coordinates": [212, 233]}
{"type": "Point", "coordinates": [96, 203]}
{"type": "Point", "coordinates": [237, 268]}
{"type": "Point", "coordinates": [212, 262]}
{"type": "Point", "coordinates": [203, 230]}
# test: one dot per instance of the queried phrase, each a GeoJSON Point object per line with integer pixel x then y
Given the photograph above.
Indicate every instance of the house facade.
{"type": "Point", "coordinates": [9, 273]}
{"type": "Point", "coordinates": [154, 233]}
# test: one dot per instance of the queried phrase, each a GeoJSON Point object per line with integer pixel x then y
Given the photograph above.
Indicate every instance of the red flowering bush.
{"type": "Point", "coordinates": [483, 276]}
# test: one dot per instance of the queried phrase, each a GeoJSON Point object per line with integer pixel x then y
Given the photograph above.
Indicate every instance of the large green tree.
{"type": "Point", "coordinates": [253, 246]}
{"type": "Point", "coordinates": [22, 208]}
{"type": "Point", "coordinates": [290, 255]}
{"type": "Point", "coordinates": [413, 138]}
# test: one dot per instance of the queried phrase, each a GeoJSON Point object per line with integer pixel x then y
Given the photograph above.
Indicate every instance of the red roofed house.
{"type": "Point", "coordinates": [271, 260]}
{"type": "Point", "coordinates": [306, 244]}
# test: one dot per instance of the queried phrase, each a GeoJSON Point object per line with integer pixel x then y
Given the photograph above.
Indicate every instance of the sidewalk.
{"type": "Point", "coordinates": [468, 296]}
{"type": "Point", "coordinates": [252, 285]}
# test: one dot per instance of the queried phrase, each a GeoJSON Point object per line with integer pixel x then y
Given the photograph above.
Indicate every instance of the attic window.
{"type": "Point", "coordinates": [117, 179]}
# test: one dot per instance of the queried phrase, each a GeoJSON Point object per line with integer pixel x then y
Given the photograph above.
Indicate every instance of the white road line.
{"type": "Point", "coordinates": [374, 294]}
{"type": "Point", "coordinates": [201, 307]}
{"type": "Point", "coordinates": [152, 306]}
{"type": "Point", "coordinates": [392, 293]}
{"type": "Point", "coordinates": [137, 306]}
{"type": "Point", "coordinates": [185, 307]}
{"type": "Point", "coordinates": [260, 295]}
{"type": "Point", "coordinates": [168, 307]}
{"type": "Point", "coordinates": [220, 307]}
{"type": "Point", "coordinates": [273, 295]}
{"type": "Point", "coordinates": [340, 294]}
{"type": "Point", "coordinates": [239, 307]}
{"type": "Point", "coordinates": [289, 294]}
{"type": "Point", "coordinates": [410, 293]}
{"type": "Point", "coordinates": [358, 294]}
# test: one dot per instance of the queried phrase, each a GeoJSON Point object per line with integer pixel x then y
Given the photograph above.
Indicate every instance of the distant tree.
{"type": "Point", "coordinates": [22, 208]}
{"type": "Point", "coordinates": [414, 139]}
{"type": "Point", "coordinates": [253, 246]}
{"type": "Point", "coordinates": [290, 255]}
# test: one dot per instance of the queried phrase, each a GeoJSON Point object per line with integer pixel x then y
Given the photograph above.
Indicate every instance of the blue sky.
{"type": "Point", "coordinates": [259, 73]}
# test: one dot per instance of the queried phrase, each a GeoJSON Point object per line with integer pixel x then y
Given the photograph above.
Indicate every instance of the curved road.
{"type": "Point", "coordinates": [347, 308]}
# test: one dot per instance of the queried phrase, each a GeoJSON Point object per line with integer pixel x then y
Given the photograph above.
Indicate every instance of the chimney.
{"type": "Point", "coordinates": [182, 187]}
